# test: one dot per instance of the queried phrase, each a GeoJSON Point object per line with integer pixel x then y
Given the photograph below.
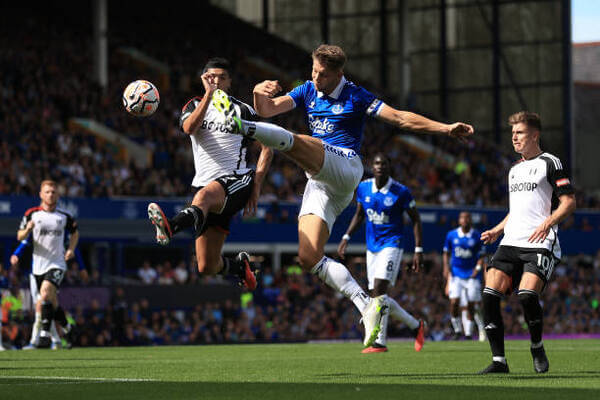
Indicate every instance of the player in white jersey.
{"type": "Point", "coordinates": [336, 110]}
{"type": "Point", "coordinates": [49, 228]}
{"type": "Point", "coordinates": [223, 184]}
{"type": "Point", "coordinates": [540, 197]}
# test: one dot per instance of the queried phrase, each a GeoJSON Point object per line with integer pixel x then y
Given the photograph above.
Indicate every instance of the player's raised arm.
{"type": "Point", "coordinates": [357, 220]}
{"type": "Point", "coordinates": [193, 114]}
{"type": "Point", "coordinates": [418, 123]}
{"type": "Point", "coordinates": [265, 102]}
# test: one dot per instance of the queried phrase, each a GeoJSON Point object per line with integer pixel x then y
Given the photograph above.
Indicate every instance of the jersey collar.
{"type": "Point", "coordinates": [336, 92]}
{"type": "Point", "coordinates": [461, 234]}
{"type": "Point", "coordinates": [385, 189]}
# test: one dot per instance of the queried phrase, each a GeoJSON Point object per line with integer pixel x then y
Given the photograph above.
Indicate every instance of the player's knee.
{"type": "Point", "coordinates": [529, 299]}
{"type": "Point", "coordinates": [308, 260]}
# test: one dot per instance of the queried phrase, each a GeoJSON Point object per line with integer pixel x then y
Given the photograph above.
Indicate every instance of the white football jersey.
{"type": "Point", "coordinates": [216, 151]}
{"type": "Point", "coordinates": [534, 187]}
{"type": "Point", "coordinates": [48, 238]}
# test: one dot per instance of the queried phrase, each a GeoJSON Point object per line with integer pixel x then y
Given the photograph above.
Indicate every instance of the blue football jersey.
{"type": "Point", "coordinates": [384, 209]}
{"type": "Point", "coordinates": [465, 249]}
{"type": "Point", "coordinates": [337, 118]}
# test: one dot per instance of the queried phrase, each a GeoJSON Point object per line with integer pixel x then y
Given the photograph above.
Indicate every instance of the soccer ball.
{"type": "Point", "coordinates": [141, 98]}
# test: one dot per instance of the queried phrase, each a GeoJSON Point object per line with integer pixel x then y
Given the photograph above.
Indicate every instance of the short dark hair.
{"type": "Point", "coordinates": [218, 62]}
{"type": "Point", "coordinates": [531, 119]}
{"type": "Point", "coordinates": [331, 56]}
{"type": "Point", "coordinates": [383, 156]}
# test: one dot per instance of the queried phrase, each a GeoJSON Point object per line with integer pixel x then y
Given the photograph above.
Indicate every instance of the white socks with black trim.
{"type": "Point", "coordinates": [399, 313]}
{"type": "Point", "coordinates": [270, 135]}
{"type": "Point", "coordinates": [337, 276]}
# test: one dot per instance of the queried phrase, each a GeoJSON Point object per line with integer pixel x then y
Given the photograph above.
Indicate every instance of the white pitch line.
{"type": "Point", "coordinates": [77, 378]}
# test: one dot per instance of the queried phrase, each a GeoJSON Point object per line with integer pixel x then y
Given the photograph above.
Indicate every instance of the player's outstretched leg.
{"type": "Point", "coordinates": [532, 310]}
{"type": "Point", "coordinates": [270, 135]}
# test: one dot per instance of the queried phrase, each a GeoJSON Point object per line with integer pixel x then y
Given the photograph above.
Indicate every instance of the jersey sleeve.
{"type": "Point", "coordinates": [298, 94]}
{"type": "Point", "coordinates": [187, 110]}
{"type": "Point", "coordinates": [448, 243]}
{"type": "Point", "coordinates": [408, 201]}
{"type": "Point", "coordinates": [558, 177]}
{"type": "Point", "coordinates": [248, 112]}
{"type": "Point", "coordinates": [26, 218]}
{"type": "Point", "coordinates": [368, 102]}
{"type": "Point", "coordinates": [359, 194]}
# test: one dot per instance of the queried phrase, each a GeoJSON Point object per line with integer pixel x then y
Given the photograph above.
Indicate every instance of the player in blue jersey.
{"type": "Point", "coordinates": [463, 264]}
{"type": "Point", "coordinates": [336, 111]}
{"type": "Point", "coordinates": [383, 201]}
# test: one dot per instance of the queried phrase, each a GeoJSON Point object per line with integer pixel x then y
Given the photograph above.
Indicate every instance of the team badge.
{"type": "Point", "coordinates": [367, 199]}
{"type": "Point", "coordinates": [471, 242]}
{"type": "Point", "coordinates": [455, 241]}
{"type": "Point", "coordinates": [388, 201]}
{"type": "Point", "coordinates": [337, 108]}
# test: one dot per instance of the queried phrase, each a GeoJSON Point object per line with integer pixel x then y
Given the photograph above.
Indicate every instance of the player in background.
{"type": "Point", "coordinates": [540, 197]}
{"type": "Point", "coordinates": [336, 110]}
{"type": "Point", "coordinates": [383, 201]}
{"type": "Point", "coordinates": [463, 259]}
{"type": "Point", "coordinates": [22, 255]}
{"type": "Point", "coordinates": [48, 227]}
{"type": "Point", "coordinates": [223, 184]}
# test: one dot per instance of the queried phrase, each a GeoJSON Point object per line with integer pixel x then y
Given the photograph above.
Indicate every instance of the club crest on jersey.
{"type": "Point", "coordinates": [337, 108]}
{"type": "Point", "coordinates": [312, 104]}
{"type": "Point", "coordinates": [367, 199]}
{"type": "Point", "coordinates": [388, 201]}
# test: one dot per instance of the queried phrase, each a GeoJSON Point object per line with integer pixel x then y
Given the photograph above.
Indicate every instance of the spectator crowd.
{"type": "Point", "coordinates": [290, 305]}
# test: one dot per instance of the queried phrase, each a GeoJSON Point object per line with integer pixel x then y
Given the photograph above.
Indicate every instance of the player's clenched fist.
{"type": "Point", "coordinates": [267, 88]}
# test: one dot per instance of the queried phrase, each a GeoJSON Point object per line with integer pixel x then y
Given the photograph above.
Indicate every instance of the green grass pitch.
{"type": "Point", "coordinates": [300, 371]}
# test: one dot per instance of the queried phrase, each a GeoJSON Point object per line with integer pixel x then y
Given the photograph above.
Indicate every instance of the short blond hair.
{"type": "Point", "coordinates": [47, 182]}
{"type": "Point", "coordinates": [531, 119]}
{"type": "Point", "coordinates": [330, 56]}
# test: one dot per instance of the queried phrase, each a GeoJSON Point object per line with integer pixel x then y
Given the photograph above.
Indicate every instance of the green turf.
{"type": "Point", "coordinates": [301, 371]}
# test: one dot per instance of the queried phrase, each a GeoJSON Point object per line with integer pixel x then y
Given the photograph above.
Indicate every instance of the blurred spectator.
{"type": "Point", "coordinates": [147, 274]}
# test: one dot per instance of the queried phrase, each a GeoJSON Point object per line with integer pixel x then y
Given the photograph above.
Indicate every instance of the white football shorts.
{"type": "Point", "coordinates": [330, 191]}
{"type": "Point", "coordinates": [384, 264]}
{"type": "Point", "coordinates": [467, 289]}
